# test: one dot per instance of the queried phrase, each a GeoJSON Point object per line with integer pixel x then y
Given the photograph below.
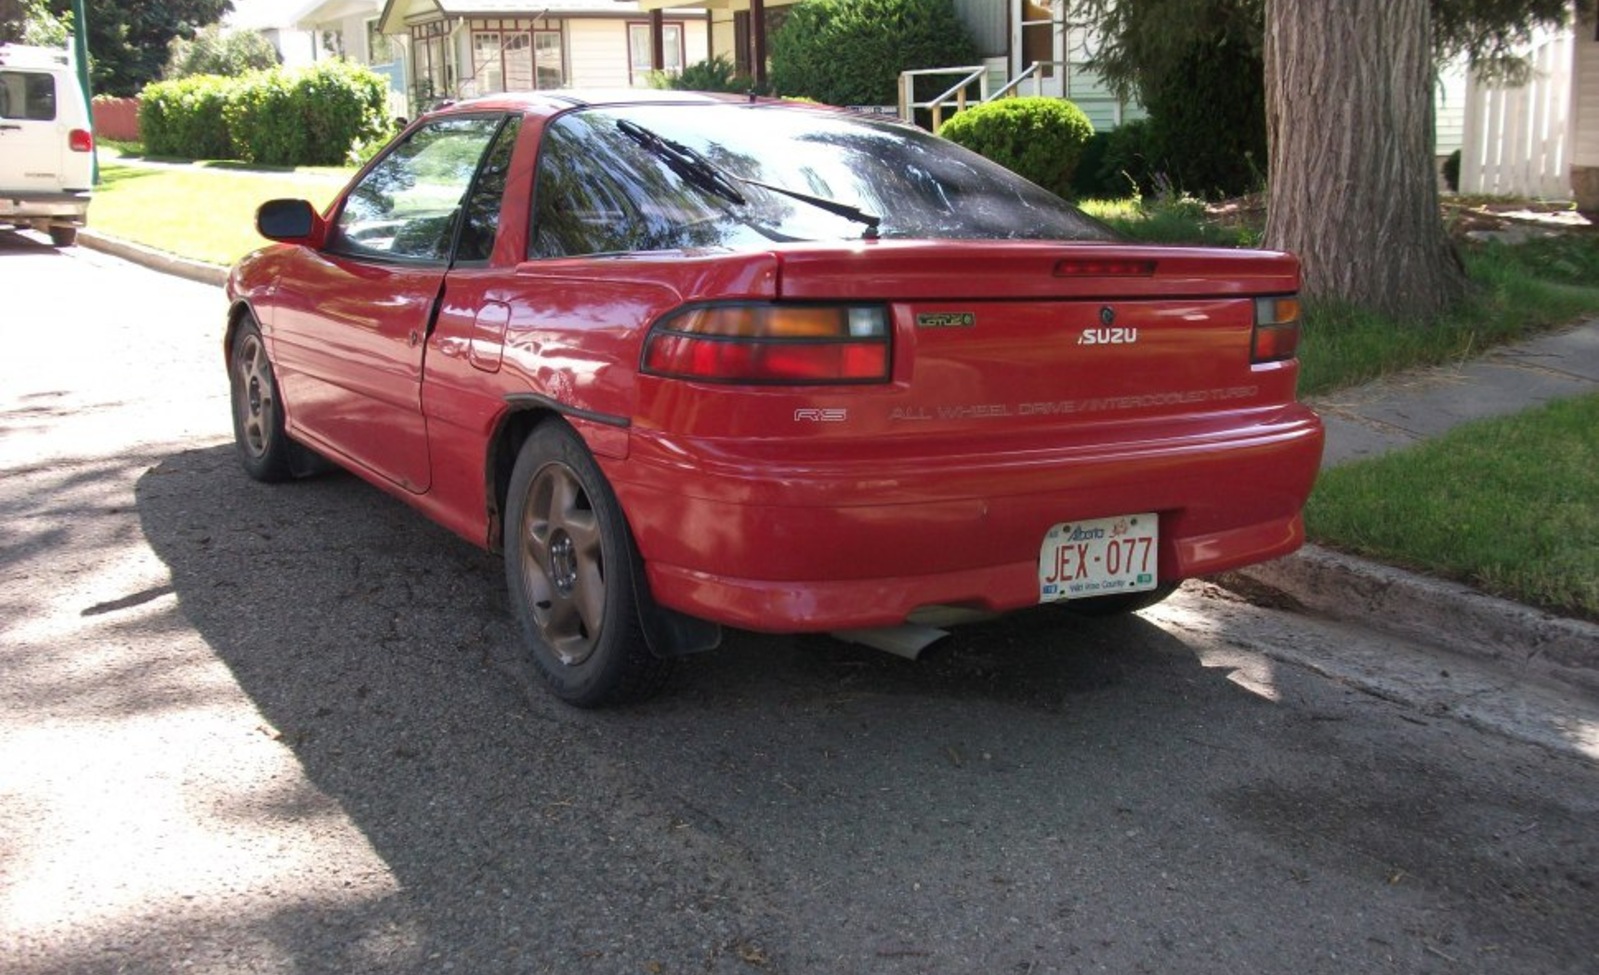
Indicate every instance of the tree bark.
{"type": "Point", "coordinates": [1349, 121]}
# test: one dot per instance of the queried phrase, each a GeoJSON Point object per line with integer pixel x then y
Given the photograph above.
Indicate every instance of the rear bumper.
{"type": "Point", "coordinates": [62, 208]}
{"type": "Point", "coordinates": [823, 544]}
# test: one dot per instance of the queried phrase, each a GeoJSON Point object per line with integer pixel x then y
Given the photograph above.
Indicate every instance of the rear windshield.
{"type": "Point", "coordinates": [29, 95]}
{"type": "Point", "coordinates": [657, 177]}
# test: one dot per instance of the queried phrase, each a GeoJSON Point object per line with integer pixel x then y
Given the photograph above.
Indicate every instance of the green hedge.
{"type": "Point", "coordinates": [321, 115]}
{"type": "Point", "coordinates": [851, 52]}
{"type": "Point", "coordinates": [1038, 138]}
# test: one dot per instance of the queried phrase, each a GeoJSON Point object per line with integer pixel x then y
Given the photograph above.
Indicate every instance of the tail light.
{"type": "Point", "coordinates": [777, 344]}
{"type": "Point", "coordinates": [80, 140]}
{"type": "Point", "coordinates": [1276, 329]}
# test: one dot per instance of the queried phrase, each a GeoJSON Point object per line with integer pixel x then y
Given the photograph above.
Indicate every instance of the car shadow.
{"type": "Point", "coordinates": [788, 798]}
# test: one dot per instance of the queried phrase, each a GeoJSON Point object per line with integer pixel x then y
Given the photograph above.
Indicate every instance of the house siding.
{"type": "Point", "coordinates": [596, 53]}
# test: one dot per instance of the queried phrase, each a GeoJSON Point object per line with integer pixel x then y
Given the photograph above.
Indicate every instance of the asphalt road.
{"type": "Point", "coordinates": [287, 729]}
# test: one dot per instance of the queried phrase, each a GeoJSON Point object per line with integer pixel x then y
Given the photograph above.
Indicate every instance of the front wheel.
{"type": "Point", "coordinates": [264, 448]}
{"type": "Point", "coordinates": [570, 568]}
{"type": "Point", "coordinates": [63, 236]}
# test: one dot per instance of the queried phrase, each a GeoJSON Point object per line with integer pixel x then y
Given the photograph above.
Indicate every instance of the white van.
{"type": "Point", "coordinates": [46, 143]}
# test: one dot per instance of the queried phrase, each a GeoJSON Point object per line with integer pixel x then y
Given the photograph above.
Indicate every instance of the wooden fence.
{"type": "Point", "coordinates": [1518, 141]}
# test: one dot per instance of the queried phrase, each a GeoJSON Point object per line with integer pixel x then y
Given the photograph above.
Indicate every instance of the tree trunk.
{"type": "Point", "coordinates": [1349, 121]}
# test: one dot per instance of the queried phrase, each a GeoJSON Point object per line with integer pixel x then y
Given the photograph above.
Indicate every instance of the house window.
{"type": "Point", "coordinates": [549, 60]}
{"type": "Point", "coordinates": [638, 49]}
{"type": "Point", "coordinates": [507, 56]}
{"type": "Point", "coordinates": [433, 78]}
{"type": "Point", "coordinates": [488, 61]}
{"type": "Point", "coordinates": [379, 46]}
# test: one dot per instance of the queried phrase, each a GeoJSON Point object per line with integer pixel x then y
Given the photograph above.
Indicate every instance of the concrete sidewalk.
{"type": "Point", "coordinates": [1404, 410]}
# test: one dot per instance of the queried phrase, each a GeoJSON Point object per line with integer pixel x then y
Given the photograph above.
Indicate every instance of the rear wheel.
{"type": "Point", "coordinates": [264, 449]}
{"type": "Point", "coordinates": [63, 236]}
{"type": "Point", "coordinates": [1120, 604]}
{"type": "Point", "coordinates": [570, 567]}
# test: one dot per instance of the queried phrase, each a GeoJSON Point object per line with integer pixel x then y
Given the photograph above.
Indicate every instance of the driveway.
{"type": "Point", "coordinates": [287, 729]}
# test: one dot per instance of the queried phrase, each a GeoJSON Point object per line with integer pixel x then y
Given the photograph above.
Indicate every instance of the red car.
{"type": "Point", "coordinates": [691, 361]}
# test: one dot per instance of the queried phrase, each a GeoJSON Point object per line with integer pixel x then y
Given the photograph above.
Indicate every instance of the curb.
{"type": "Point", "coordinates": [1444, 615]}
{"type": "Point", "coordinates": [155, 260]}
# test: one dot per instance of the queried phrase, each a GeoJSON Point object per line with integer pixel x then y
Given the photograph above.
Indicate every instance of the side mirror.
{"type": "Point", "coordinates": [290, 222]}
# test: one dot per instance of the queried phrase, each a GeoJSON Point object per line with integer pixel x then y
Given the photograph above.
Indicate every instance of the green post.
{"type": "Point", "coordinates": [80, 48]}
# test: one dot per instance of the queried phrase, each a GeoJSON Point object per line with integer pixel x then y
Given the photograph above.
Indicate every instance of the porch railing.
{"type": "Point", "coordinates": [957, 92]}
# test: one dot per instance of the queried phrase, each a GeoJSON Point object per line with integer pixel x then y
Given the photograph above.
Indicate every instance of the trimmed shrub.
{"type": "Point", "coordinates": [851, 52]}
{"type": "Point", "coordinates": [316, 116]}
{"type": "Point", "coordinates": [1038, 138]}
{"type": "Point", "coordinates": [184, 118]}
{"type": "Point", "coordinates": [320, 115]}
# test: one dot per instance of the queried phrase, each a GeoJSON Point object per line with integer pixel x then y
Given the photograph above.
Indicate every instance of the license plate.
{"type": "Point", "coordinates": [1098, 557]}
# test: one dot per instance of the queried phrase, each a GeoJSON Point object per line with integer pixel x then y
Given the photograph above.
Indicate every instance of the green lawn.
{"type": "Point", "coordinates": [1509, 506]}
{"type": "Point", "coordinates": [202, 213]}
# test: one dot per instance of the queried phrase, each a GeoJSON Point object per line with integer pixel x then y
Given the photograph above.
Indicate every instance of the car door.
{"type": "Point", "coordinates": [351, 320]}
{"type": "Point", "coordinates": [29, 140]}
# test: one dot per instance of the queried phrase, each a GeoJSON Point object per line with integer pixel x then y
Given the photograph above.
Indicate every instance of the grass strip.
{"type": "Point", "coordinates": [204, 214]}
{"type": "Point", "coordinates": [1504, 505]}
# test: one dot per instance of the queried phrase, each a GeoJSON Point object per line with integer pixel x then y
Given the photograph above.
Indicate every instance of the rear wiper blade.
{"type": "Point", "coordinates": [846, 210]}
{"type": "Point", "coordinates": [700, 171]}
{"type": "Point", "coordinates": [685, 162]}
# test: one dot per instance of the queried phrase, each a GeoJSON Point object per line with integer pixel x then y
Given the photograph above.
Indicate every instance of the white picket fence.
{"type": "Point", "coordinates": [1518, 141]}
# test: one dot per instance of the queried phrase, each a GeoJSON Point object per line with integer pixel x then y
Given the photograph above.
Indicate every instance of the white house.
{"type": "Point", "coordinates": [461, 48]}
{"type": "Point", "coordinates": [349, 29]}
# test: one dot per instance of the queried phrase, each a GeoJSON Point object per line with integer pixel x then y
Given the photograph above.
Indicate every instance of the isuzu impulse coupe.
{"type": "Point", "coordinates": [693, 362]}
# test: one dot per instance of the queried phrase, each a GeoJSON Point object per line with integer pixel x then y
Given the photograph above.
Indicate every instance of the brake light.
{"type": "Point", "coordinates": [1075, 268]}
{"type": "Point", "coordinates": [1276, 329]}
{"type": "Point", "coordinates": [80, 140]}
{"type": "Point", "coordinates": [778, 344]}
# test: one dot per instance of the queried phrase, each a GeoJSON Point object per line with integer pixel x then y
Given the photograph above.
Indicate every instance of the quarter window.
{"type": "Point", "coordinates": [407, 206]}
{"type": "Point", "coordinates": [29, 95]}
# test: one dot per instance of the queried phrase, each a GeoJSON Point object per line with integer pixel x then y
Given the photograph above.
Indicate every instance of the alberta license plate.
{"type": "Point", "coordinates": [1098, 557]}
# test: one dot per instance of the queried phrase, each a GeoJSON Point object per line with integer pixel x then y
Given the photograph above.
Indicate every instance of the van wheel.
{"type": "Point", "coordinates": [63, 236]}
{"type": "Point", "coordinates": [571, 568]}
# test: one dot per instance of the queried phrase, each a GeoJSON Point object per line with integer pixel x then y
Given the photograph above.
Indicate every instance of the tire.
{"type": "Point", "coordinates": [264, 447]}
{"type": "Point", "coordinates": [1100, 607]}
{"type": "Point", "coordinates": [571, 569]}
{"type": "Point", "coordinates": [63, 236]}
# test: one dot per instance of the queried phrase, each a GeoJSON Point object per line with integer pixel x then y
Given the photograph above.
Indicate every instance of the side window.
{"type": "Point", "coordinates": [482, 219]}
{"type": "Point", "coordinates": [407, 206]}
{"type": "Point", "coordinates": [29, 95]}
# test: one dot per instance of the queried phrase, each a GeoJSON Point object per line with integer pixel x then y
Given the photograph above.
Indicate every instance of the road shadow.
{"type": "Point", "coordinates": [1037, 787]}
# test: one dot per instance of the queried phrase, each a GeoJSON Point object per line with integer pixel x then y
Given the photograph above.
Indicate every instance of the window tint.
{"type": "Point", "coordinates": [406, 207]}
{"type": "Point", "coordinates": [603, 187]}
{"type": "Point", "coordinates": [29, 95]}
{"type": "Point", "coordinates": [482, 219]}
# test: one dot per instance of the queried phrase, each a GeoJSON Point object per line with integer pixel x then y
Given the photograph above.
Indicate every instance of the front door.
{"type": "Point", "coordinates": [1040, 37]}
{"type": "Point", "coordinates": [349, 343]}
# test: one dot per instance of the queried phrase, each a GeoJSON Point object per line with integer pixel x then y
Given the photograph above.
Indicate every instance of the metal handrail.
{"type": "Point", "coordinates": [1038, 80]}
{"type": "Point", "coordinates": [907, 81]}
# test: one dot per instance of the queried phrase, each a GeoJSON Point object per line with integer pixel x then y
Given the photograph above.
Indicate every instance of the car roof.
{"type": "Point", "coordinates": [557, 100]}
